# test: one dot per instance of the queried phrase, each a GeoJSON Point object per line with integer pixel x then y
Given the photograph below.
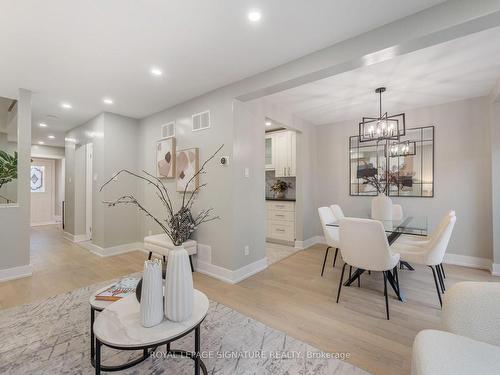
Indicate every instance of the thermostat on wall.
{"type": "Point", "coordinates": [224, 160]}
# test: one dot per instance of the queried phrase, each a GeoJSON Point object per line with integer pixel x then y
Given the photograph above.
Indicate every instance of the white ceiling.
{"type": "Point", "coordinates": [463, 68]}
{"type": "Point", "coordinates": [81, 51]}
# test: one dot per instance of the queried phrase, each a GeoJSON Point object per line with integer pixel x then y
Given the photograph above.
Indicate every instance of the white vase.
{"type": "Point", "coordinates": [179, 292]}
{"type": "Point", "coordinates": [152, 294]}
{"type": "Point", "coordinates": [382, 208]}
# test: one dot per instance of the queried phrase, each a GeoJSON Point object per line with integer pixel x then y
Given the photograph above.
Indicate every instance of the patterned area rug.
{"type": "Point", "coordinates": [52, 337]}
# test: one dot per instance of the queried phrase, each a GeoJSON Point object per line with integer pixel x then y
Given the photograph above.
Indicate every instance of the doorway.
{"type": "Point", "coordinates": [42, 180]}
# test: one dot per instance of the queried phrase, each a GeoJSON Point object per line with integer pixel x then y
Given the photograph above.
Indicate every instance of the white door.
{"type": "Point", "coordinates": [42, 191]}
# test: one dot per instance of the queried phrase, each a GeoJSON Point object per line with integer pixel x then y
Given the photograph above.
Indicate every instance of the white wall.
{"type": "Point", "coordinates": [47, 152]}
{"type": "Point", "coordinates": [495, 176]}
{"type": "Point", "coordinates": [462, 179]}
{"type": "Point", "coordinates": [15, 219]}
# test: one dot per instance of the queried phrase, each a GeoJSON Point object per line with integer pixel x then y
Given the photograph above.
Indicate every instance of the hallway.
{"type": "Point", "coordinates": [60, 266]}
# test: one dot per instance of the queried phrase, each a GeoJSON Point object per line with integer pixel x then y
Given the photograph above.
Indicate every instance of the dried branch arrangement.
{"type": "Point", "coordinates": [177, 225]}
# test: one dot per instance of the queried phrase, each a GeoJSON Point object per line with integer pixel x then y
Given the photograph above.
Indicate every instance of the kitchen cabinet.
{"type": "Point", "coordinates": [282, 153]}
{"type": "Point", "coordinates": [281, 220]}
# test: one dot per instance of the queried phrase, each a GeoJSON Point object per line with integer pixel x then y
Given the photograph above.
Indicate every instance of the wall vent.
{"type": "Point", "coordinates": [201, 121]}
{"type": "Point", "coordinates": [168, 130]}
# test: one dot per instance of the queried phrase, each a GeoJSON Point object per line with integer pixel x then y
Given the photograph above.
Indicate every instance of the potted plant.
{"type": "Point", "coordinates": [8, 169]}
{"type": "Point", "coordinates": [178, 224]}
{"type": "Point", "coordinates": [279, 188]}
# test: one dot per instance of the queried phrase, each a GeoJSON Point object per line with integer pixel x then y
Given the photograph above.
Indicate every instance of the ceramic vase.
{"type": "Point", "coordinates": [179, 292]}
{"type": "Point", "coordinates": [152, 294]}
{"type": "Point", "coordinates": [382, 208]}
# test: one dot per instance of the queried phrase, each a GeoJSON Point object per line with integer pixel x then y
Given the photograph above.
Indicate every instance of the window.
{"type": "Point", "coordinates": [37, 179]}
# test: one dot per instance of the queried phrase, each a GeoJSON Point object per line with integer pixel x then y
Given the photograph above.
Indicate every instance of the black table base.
{"type": "Point", "coordinates": [96, 347]}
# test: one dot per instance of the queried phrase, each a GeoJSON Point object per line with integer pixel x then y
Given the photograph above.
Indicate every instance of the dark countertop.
{"type": "Point", "coordinates": [280, 199]}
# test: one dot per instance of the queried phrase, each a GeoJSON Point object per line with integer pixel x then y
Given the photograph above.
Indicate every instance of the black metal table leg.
{"type": "Point", "coordinates": [98, 357]}
{"type": "Point", "coordinates": [92, 343]}
{"type": "Point", "coordinates": [354, 276]}
{"type": "Point", "coordinates": [406, 265]}
{"type": "Point", "coordinates": [197, 351]}
{"type": "Point", "coordinates": [395, 286]}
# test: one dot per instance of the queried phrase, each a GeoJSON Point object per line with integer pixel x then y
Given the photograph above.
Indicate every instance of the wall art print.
{"type": "Point", "coordinates": [187, 165]}
{"type": "Point", "coordinates": [165, 158]}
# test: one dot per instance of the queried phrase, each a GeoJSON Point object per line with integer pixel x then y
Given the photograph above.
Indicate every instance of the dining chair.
{"type": "Point", "coordinates": [431, 253]}
{"type": "Point", "coordinates": [424, 241]}
{"type": "Point", "coordinates": [364, 245]}
{"type": "Point", "coordinates": [397, 212]}
{"type": "Point", "coordinates": [331, 234]}
{"type": "Point", "coordinates": [337, 211]}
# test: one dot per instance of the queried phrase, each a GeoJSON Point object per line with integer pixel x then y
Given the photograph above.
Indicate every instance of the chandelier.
{"type": "Point", "coordinates": [406, 148]}
{"type": "Point", "coordinates": [384, 127]}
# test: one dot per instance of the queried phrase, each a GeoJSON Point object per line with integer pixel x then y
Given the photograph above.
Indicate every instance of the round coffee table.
{"type": "Point", "coordinates": [96, 305]}
{"type": "Point", "coordinates": [119, 326]}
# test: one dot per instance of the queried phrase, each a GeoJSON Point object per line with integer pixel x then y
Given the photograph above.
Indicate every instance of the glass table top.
{"type": "Point", "coordinates": [412, 225]}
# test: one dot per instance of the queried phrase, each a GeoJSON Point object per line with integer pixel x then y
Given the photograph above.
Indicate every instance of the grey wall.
{"type": "Point", "coordinates": [462, 178]}
{"type": "Point", "coordinates": [15, 220]}
{"type": "Point", "coordinates": [495, 175]}
{"type": "Point", "coordinates": [218, 193]}
{"type": "Point", "coordinates": [49, 152]}
{"type": "Point", "coordinates": [115, 147]}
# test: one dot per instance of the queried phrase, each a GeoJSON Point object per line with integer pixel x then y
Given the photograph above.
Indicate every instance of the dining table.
{"type": "Point", "coordinates": [409, 225]}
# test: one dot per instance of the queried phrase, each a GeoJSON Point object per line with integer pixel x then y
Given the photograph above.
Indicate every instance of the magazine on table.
{"type": "Point", "coordinates": [122, 288]}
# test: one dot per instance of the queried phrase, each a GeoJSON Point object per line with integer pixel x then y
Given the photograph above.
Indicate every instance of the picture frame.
{"type": "Point", "coordinates": [166, 158]}
{"type": "Point", "coordinates": [187, 165]}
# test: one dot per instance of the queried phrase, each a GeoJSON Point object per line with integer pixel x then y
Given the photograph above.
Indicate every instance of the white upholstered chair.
{"type": "Point", "coordinates": [331, 233]}
{"type": "Point", "coordinates": [470, 343]}
{"type": "Point", "coordinates": [337, 211]}
{"type": "Point", "coordinates": [397, 212]}
{"type": "Point", "coordinates": [364, 245]}
{"type": "Point", "coordinates": [431, 252]}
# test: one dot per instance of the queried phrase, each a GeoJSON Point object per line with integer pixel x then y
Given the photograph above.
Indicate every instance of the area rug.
{"type": "Point", "coordinates": [52, 337]}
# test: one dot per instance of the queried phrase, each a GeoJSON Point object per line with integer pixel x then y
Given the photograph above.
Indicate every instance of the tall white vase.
{"type": "Point", "coordinates": [179, 292]}
{"type": "Point", "coordinates": [382, 207]}
{"type": "Point", "coordinates": [152, 294]}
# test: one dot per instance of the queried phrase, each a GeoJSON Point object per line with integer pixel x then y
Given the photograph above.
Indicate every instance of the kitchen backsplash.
{"type": "Point", "coordinates": [271, 179]}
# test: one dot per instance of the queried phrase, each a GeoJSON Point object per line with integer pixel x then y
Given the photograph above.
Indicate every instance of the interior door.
{"type": "Point", "coordinates": [42, 191]}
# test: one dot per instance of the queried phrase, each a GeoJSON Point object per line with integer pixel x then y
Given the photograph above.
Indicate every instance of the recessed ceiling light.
{"type": "Point", "coordinates": [107, 101]}
{"type": "Point", "coordinates": [254, 15]}
{"type": "Point", "coordinates": [41, 142]}
{"type": "Point", "coordinates": [268, 123]}
{"type": "Point", "coordinates": [42, 125]}
{"type": "Point", "coordinates": [51, 136]}
{"type": "Point", "coordinates": [156, 72]}
{"type": "Point", "coordinates": [66, 105]}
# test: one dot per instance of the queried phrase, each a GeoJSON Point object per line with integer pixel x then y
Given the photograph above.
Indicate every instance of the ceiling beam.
{"type": "Point", "coordinates": [442, 23]}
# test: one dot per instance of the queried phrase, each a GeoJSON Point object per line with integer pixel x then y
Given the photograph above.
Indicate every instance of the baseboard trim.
{"type": "Point", "coordinates": [53, 222]}
{"type": "Point", "coordinates": [229, 276]}
{"type": "Point", "coordinates": [495, 269]}
{"type": "Point", "coordinates": [468, 261]}
{"type": "Point", "coordinates": [16, 273]}
{"type": "Point", "coordinates": [301, 245]}
{"type": "Point", "coordinates": [75, 237]}
{"type": "Point", "coordinates": [113, 250]}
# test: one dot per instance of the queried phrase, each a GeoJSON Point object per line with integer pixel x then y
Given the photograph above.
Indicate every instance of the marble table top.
{"type": "Point", "coordinates": [120, 323]}
{"type": "Point", "coordinates": [98, 304]}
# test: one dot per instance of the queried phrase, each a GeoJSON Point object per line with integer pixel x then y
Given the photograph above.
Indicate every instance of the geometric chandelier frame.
{"type": "Point", "coordinates": [384, 127]}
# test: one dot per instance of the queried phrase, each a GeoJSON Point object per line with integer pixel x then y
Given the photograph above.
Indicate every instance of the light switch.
{"type": "Point", "coordinates": [247, 172]}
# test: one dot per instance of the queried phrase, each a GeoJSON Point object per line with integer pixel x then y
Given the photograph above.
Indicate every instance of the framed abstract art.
{"type": "Point", "coordinates": [187, 164]}
{"type": "Point", "coordinates": [165, 158]}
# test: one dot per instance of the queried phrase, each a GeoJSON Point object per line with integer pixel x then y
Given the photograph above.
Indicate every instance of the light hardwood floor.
{"type": "Point", "coordinates": [290, 296]}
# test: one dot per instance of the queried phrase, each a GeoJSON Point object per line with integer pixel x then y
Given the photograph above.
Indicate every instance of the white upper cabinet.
{"type": "Point", "coordinates": [270, 152]}
{"type": "Point", "coordinates": [283, 153]}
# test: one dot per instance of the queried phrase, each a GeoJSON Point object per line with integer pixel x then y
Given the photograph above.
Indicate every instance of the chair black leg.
{"type": "Point", "coordinates": [150, 254]}
{"type": "Point", "coordinates": [164, 259]}
{"type": "Point", "coordinates": [324, 261]}
{"type": "Point", "coordinates": [396, 277]}
{"type": "Point", "coordinates": [437, 285]}
{"type": "Point", "coordinates": [440, 278]}
{"type": "Point", "coordinates": [191, 263]}
{"type": "Point", "coordinates": [385, 295]}
{"type": "Point", "coordinates": [335, 257]}
{"type": "Point", "coordinates": [442, 270]}
{"type": "Point", "coordinates": [340, 284]}
{"type": "Point", "coordinates": [350, 271]}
